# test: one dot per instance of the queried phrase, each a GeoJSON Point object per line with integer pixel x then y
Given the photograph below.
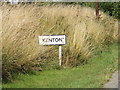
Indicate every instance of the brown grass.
{"type": "Point", "coordinates": [22, 24]}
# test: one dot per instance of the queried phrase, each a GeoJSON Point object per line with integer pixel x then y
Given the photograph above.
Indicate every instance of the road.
{"type": "Point", "coordinates": [113, 83]}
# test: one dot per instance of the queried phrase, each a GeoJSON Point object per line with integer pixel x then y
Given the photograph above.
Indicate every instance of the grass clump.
{"type": "Point", "coordinates": [23, 23]}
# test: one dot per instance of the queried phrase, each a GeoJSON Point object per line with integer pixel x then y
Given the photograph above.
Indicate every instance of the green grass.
{"type": "Point", "coordinates": [0, 85]}
{"type": "Point", "coordinates": [92, 75]}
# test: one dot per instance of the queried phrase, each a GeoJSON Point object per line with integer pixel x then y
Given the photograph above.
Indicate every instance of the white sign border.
{"type": "Point", "coordinates": [52, 44]}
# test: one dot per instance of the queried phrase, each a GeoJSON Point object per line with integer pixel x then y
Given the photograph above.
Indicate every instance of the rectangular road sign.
{"type": "Point", "coordinates": [52, 40]}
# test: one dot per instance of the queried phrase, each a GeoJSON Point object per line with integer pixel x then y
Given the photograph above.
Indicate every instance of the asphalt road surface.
{"type": "Point", "coordinates": [114, 81]}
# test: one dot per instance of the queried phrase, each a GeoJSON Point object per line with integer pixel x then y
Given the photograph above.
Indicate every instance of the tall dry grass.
{"type": "Point", "coordinates": [22, 24]}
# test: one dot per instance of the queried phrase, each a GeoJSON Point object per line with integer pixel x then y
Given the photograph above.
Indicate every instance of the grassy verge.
{"type": "Point", "coordinates": [92, 75]}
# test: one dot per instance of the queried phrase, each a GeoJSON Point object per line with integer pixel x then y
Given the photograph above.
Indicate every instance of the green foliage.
{"type": "Point", "coordinates": [111, 8]}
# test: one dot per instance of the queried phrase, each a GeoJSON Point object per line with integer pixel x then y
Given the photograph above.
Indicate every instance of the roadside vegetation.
{"type": "Point", "coordinates": [95, 74]}
{"type": "Point", "coordinates": [110, 8]}
{"type": "Point", "coordinates": [22, 24]}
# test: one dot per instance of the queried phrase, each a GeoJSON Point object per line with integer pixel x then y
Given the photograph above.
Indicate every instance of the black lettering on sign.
{"type": "Point", "coordinates": [52, 39]}
{"type": "Point", "coordinates": [60, 39]}
{"type": "Point", "coordinates": [56, 39]}
{"type": "Point", "coordinates": [43, 39]}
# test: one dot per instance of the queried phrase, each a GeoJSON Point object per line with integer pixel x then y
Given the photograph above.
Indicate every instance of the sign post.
{"type": "Point", "coordinates": [60, 55]}
{"type": "Point", "coordinates": [54, 40]}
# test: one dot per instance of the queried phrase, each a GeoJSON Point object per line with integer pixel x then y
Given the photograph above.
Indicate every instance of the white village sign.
{"type": "Point", "coordinates": [54, 40]}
